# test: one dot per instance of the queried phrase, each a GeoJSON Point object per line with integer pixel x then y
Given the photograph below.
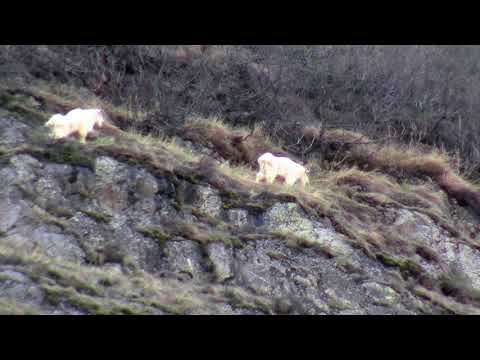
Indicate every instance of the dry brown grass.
{"type": "Point", "coordinates": [238, 146]}
{"type": "Point", "coordinates": [41, 100]}
{"type": "Point", "coordinates": [448, 304]}
{"type": "Point", "coordinates": [73, 97]}
{"type": "Point", "coordinates": [376, 188]}
{"type": "Point", "coordinates": [172, 145]}
{"type": "Point", "coordinates": [400, 161]}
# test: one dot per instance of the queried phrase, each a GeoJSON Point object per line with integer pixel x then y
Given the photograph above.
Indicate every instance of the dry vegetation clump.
{"type": "Point", "coordinates": [447, 303]}
{"type": "Point", "coordinates": [40, 100]}
{"type": "Point", "coordinates": [378, 189]}
{"type": "Point", "coordinates": [401, 162]}
{"type": "Point", "coordinates": [238, 146]}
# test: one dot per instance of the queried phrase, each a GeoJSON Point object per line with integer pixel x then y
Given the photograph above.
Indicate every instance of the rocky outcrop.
{"type": "Point", "coordinates": [118, 237]}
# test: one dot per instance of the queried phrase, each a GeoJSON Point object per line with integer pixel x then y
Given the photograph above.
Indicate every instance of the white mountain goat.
{"type": "Point", "coordinates": [79, 122]}
{"type": "Point", "coordinates": [272, 166]}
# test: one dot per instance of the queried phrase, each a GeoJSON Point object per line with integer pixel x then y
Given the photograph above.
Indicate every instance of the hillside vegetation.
{"type": "Point", "coordinates": [167, 217]}
{"type": "Point", "coordinates": [416, 94]}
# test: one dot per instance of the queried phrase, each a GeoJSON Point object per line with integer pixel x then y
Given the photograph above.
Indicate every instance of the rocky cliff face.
{"type": "Point", "coordinates": [125, 227]}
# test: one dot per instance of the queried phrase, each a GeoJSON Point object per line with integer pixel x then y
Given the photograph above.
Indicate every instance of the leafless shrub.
{"type": "Point", "coordinates": [422, 94]}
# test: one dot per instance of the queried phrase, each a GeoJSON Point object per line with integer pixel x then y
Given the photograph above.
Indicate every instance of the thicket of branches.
{"type": "Point", "coordinates": [420, 94]}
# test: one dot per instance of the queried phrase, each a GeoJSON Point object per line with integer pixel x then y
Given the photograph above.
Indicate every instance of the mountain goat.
{"type": "Point", "coordinates": [79, 122]}
{"type": "Point", "coordinates": [272, 166]}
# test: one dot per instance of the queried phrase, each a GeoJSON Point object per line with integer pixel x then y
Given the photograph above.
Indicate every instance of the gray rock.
{"type": "Point", "coordinates": [8, 177]}
{"type": "Point", "coordinates": [49, 192]}
{"type": "Point", "coordinates": [238, 217]}
{"type": "Point", "coordinates": [12, 132]}
{"type": "Point", "coordinates": [221, 256]}
{"type": "Point", "coordinates": [310, 282]}
{"type": "Point", "coordinates": [81, 185]}
{"type": "Point", "coordinates": [47, 241]}
{"type": "Point", "coordinates": [10, 213]}
{"type": "Point", "coordinates": [290, 217]}
{"type": "Point", "coordinates": [416, 226]}
{"type": "Point", "coordinates": [208, 200]}
{"type": "Point", "coordinates": [165, 187]}
{"type": "Point", "coordinates": [15, 285]}
{"type": "Point", "coordinates": [26, 167]}
{"type": "Point", "coordinates": [184, 257]}
{"type": "Point", "coordinates": [121, 234]}
{"type": "Point", "coordinates": [337, 301]}
{"type": "Point", "coordinates": [111, 191]}
{"type": "Point", "coordinates": [381, 294]}
{"type": "Point", "coordinates": [165, 208]}
{"type": "Point", "coordinates": [28, 226]}
{"type": "Point", "coordinates": [144, 184]}
{"type": "Point", "coordinates": [144, 207]}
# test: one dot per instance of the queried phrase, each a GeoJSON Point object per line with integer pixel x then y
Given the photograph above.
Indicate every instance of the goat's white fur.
{"type": "Point", "coordinates": [272, 166]}
{"type": "Point", "coordinates": [77, 121]}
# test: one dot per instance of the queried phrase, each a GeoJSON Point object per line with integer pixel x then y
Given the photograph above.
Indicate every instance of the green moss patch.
{"type": "Point", "coordinates": [97, 216]}
{"type": "Point", "coordinates": [154, 233]}
{"type": "Point", "coordinates": [407, 267]}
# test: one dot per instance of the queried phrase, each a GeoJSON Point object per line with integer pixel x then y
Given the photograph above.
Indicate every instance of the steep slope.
{"type": "Point", "coordinates": [146, 225]}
